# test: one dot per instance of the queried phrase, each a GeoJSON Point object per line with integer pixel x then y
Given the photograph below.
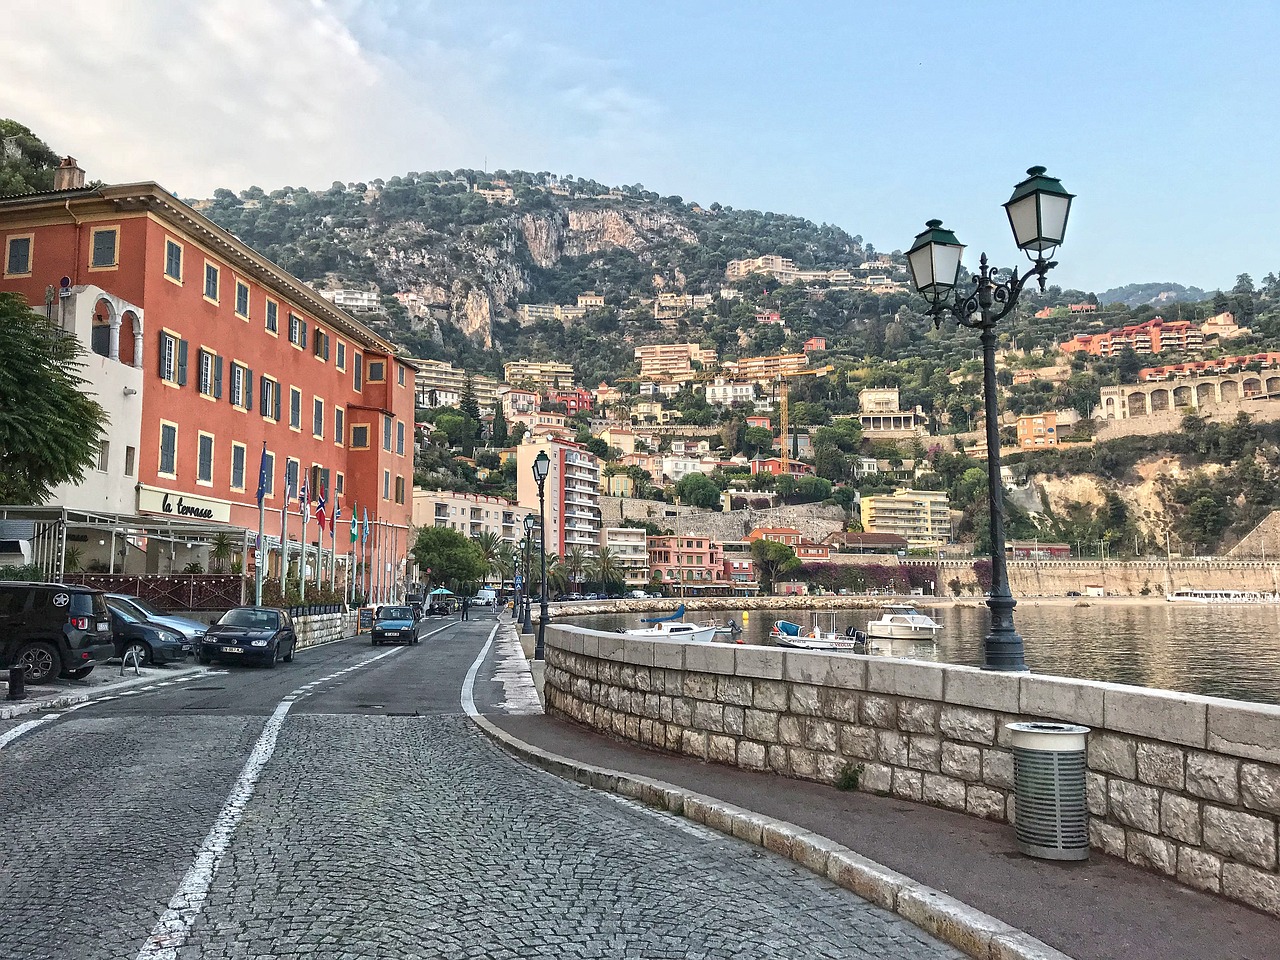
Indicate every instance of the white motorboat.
{"type": "Point", "coordinates": [901, 621]}
{"type": "Point", "coordinates": [674, 630]}
{"type": "Point", "coordinates": [788, 634]}
{"type": "Point", "coordinates": [1221, 596]}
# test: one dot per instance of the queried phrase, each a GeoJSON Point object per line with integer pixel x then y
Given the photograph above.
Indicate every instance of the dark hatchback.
{"type": "Point", "coordinates": [152, 643]}
{"type": "Point", "coordinates": [395, 625]}
{"type": "Point", "coordinates": [264, 634]}
{"type": "Point", "coordinates": [53, 629]}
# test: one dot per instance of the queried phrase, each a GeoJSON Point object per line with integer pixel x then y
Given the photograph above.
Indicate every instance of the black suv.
{"type": "Point", "coordinates": [53, 629]}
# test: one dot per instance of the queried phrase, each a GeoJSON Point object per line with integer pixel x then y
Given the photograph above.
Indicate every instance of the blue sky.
{"type": "Point", "coordinates": [1162, 117]}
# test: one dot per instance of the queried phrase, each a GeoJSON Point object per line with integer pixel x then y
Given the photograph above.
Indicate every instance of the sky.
{"type": "Point", "coordinates": [1163, 117]}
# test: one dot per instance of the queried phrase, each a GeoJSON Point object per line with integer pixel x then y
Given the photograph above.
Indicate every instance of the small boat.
{"type": "Point", "coordinates": [901, 621]}
{"type": "Point", "coordinates": [788, 634]}
{"type": "Point", "coordinates": [1221, 596]}
{"type": "Point", "coordinates": [673, 628]}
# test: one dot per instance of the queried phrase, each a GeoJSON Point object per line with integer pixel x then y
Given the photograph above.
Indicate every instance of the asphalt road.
{"type": "Point", "coordinates": [342, 806]}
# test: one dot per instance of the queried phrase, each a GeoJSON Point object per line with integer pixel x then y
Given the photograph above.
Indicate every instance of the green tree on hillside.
{"type": "Point", "coordinates": [772, 561]}
{"type": "Point", "coordinates": [49, 427]}
{"type": "Point", "coordinates": [26, 162]}
{"type": "Point", "coordinates": [698, 490]}
{"type": "Point", "coordinates": [451, 557]}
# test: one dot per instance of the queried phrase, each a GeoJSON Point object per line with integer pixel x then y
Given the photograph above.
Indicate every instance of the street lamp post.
{"type": "Point", "coordinates": [541, 467]}
{"type": "Point", "coordinates": [1037, 214]}
{"type": "Point", "coordinates": [529, 524]}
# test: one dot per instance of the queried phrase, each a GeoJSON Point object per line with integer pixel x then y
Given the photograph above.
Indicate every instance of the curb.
{"type": "Point", "coordinates": [977, 934]}
{"type": "Point", "coordinates": [21, 708]}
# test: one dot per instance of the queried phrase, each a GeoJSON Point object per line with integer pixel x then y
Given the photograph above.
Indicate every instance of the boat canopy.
{"type": "Point", "coordinates": [787, 628]}
{"type": "Point", "coordinates": [679, 612]}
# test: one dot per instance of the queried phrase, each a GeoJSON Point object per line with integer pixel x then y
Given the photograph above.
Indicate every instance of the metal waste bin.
{"type": "Point", "coordinates": [1052, 815]}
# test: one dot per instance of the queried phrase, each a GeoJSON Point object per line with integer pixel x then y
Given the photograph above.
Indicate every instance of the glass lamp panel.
{"type": "Point", "coordinates": [946, 265]}
{"type": "Point", "coordinates": [921, 262]}
{"type": "Point", "coordinates": [1053, 218]}
{"type": "Point", "coordinates": [1025, 221]}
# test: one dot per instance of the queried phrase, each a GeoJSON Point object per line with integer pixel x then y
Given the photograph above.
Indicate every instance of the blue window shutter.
{"type": "Point", "coordinates": [326, 347]}
{"type": "Point", "coordinates": [248, 389]}
{"type": "Point", "coordinates": [182, 362]}
{"type": "Point", "coordinates": [163, 339]}
{"type": "Point", "coordinates": [276, 399]}
{"type": "Point", "coordinates": [302, 335]}
{"type": "Point", "coordinates": [217, 377]}
{"type": "Point", "coordinates": [266, 400]}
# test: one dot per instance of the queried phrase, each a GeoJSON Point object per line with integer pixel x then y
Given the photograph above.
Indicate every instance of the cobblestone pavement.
{"type": "Point", "coordinates": [372, 835]}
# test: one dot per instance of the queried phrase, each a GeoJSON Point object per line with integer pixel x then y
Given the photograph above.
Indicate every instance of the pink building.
{"type": "Point", "coordinates": [804, 548]}
{"type": "Point", "coordinates": [759, 422]}
{"type": "Point", "coordinates": [773, 465]}
{"type": "Point", "coordinates": [814, 344]}
{"type": "Point", "coordinates": [575, 400]}
{"type": "Point", "coordinates": [687, 563]}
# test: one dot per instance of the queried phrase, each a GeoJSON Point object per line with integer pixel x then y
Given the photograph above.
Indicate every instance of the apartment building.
{"type": "Point", "coordinates": [219, 356]}
{"type": "Point", "coordinates": [630, 549]}
{"type": "Point", "coordinates": [470, 514]}
{"type": "Point", "coordinates": [539, 375]}
{"type": "Point", "coordinates": [922, 516]}
{"type": "Point", "coordinates": [1152, 336]}
{"type": "Point", "coordinates": [572, 491]}
{"type": "Point", "coordinates": [440, 384]}
{"type": "Point", "coordinates": [686, 564]}
{"type": "Point", "coordinates": [672, 360]}
{"type": "Point", "coordinates": [766, 370]}
{"type": "Point", "coordinates": [354, 301]}
{"type": "Point", "coordinates": [673, 306]}
{"type": "Point", "coordinates": [881, 416]}
{"type": "Point", "coordinates": [1038, 430]}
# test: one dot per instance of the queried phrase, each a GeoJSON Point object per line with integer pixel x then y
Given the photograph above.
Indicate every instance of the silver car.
{"type": "Point", "coordinates": [192, 630]}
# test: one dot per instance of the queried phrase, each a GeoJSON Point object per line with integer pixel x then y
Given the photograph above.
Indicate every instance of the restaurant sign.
{"type": "Point", "coordinates": [182, 506]}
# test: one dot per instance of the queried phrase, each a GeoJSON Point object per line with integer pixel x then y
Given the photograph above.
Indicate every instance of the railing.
{"type": "Point", "coordinates": [177, 591]}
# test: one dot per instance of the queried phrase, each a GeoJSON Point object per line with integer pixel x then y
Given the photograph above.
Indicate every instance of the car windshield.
{"type": "Point", "coordinates": [123, 611]}
{"type": "Point", "coordinates": [146, 608]}
{"type": "Point", "coordinates": [395, 613]}
{"type": "Point", "coordinates": [250, 617]}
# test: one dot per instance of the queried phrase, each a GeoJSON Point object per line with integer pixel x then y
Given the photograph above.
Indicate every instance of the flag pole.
{"type": "Point", "coordinates": [304, 507]}
{"type": "Point", "coordinates": [262, 516]}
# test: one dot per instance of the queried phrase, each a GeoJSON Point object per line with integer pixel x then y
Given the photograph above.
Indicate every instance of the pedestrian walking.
{"type": "Point", "coordinates": [466, 608]}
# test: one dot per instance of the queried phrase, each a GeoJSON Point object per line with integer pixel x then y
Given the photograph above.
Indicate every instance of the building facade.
{"type": "Point", "coordinates": [572, 491]}
{"type": "Point", "coordinates": [470, 514]}
{"type": "Point", "coordinates": [539, 375]}
{"type": "Point", "coordinates": [686, 564]}
{"type": "Point", "coordinates": [630, 549]}
{"type": "Point", "coordinates": [672, 360]}
{"type": "Point", "coordinates": [1152, 336]}
{"type": "Point", "coordinates": [765, 370]}
{"type": "Point", "coordinates": [923, 517]}
{"type": "Point", "coordinates": [1038, 430]}
{"type": "Point", "coordinates": [440, 384]}
{"type": "Point", "coordinates": [232, 357]}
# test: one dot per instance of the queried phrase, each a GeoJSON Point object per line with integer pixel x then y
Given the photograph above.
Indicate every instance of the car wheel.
{"type": "Point", "coordinates": [204, 658]}
{"type": "Point", "coordinates": [377, 642]}
{"type": "Point", "coordinates": [274, 657]}
{"type": "Point", "coordinates": [292, 650]}
{"type": "Point", "coordinates": [42, 661]}
{"type": "Point", "coordinates": [79, 674]}
{"type": "Point", "coordinates": [140, 650]}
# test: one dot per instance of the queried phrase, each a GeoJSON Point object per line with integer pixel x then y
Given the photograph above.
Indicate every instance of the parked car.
{"type": "Point", "coordinates": [193, 630]}
{"type": "Point", "coordinates": [638, 595]}
{"type": "Point", "coordinates": [250, 633]}
{"type": "Point", "coordinates": [53, 629]}
{"type": "Point", "coordinates": [394, 625]}
{"type": "Point", "coordinates": [152, 643]}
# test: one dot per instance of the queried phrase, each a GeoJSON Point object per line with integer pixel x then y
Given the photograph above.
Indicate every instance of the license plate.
{"type": "Point", "coordinates": [232, 650]}
{"type": "Point", "coordinates": [103, 627]}
{"type": "Point", "coordinates": [391, 633]}
{"type": "Point", "coordinates": [186, 648]}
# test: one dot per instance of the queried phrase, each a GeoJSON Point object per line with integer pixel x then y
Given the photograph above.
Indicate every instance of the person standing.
{"type": "Point", "coordinates": [466, 608]}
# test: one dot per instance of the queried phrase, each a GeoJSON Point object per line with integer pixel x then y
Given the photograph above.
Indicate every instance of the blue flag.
{"type": "Point", "coordinates": [366, 525]}
{"type": "Point", "coordinates": [262, 475]}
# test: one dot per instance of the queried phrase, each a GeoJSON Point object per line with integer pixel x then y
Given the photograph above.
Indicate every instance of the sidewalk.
{"type": "Point", "coordinates": [105, 679]}
{"type": "Point", "coordinates": [1101, 909]}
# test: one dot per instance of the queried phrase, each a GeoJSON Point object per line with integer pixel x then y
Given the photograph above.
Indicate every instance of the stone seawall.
{"type": "Point", "coordinates": [324, 628]}
{"type": "Point", "coordinates": [1184, 785]}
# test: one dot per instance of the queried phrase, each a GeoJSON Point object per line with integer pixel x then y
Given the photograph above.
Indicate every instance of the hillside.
{"type": "Point", "coordinates": [1151, 294]}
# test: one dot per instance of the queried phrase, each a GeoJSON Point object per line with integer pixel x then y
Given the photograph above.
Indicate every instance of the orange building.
{"type": "Point", "coordinates": [1038, 430]}
{"type": "Point", "coordinates": [1151, 336]}
{"type": "Point", "coordinates": [232, 352]}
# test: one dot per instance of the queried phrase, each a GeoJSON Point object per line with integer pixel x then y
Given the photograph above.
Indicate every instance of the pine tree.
{"type": "Point", "coordinates": [499, 437]}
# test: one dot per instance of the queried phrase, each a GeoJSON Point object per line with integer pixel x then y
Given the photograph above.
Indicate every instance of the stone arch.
{"type": "Point", "coordinates": [1252, 386]}
{"type": "Point", "coordinates": [1159, 400]}
{"type": "Point", "coordinates": [104, 329]}
{"type": "Point", "coordinates": [1109, 408]}
{"type": "Point", "coordinates": [1137, 404]}
{"type": "Point", "coordinates": [1273, 385]}
{"type": "Point", "coordinates": [130, 337]}
{"type": "Point", "coordinates": [1204, 394]}
{"type": "Point", "coordinates": [1182, 397]}
{"type": "Point", "coordinates": [1230, 391]}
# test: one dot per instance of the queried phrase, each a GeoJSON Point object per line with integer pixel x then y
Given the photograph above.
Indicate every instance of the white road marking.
{"type": "Point", "coordinates": [20, 729]}
{"type": "Point", "coordinates": [519, 695]}
{"type": "Point", "coordinates": [174, 925]}
{"type": "Point", "coordinates": [468, 685]}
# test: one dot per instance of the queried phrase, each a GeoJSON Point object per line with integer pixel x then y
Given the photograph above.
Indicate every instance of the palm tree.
{"type": "Point", "coordinates": [504, 563]}
{"type": "Point", "coordinates": [607, 568]}
{"type": "Point", "coordinates": [220, 547]}
{"type": "Point", "coordinates": [576, 562]}
{"type": "Point", "coordinates": [489, 544]}
{"type": "Point", "coordinates": [557, 575]}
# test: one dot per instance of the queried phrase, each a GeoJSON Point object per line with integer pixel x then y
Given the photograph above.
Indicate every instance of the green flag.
{"type": "Point", "coordinates": [354, 535]}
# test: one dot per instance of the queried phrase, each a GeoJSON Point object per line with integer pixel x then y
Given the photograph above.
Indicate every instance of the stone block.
{"type": "Point", "coordinates": [984, 802]}
{"type": "Point", "coordinates": [952, 921]}
{"type": "Point", "coordinates": [790, 730]}
{"type": "Point", "coordinates": [1158, 714]}
{"type": "Point", "coordinates": [986, 689]}
{"type": "Point", "coordinates": [1144, 850]}
{"type": "Point", "coordinates": [962, 761]}
{"type": "Point", "coordinates": [820, 735]}
{"type": "Point", "coordinates": [734, 690]}
{"type": "Point", "coordinates": [917, 716]}
{"type": "Point", "coordinates": [1107, 837]}
{"type": "Point", "coordinates": [763, 662]}
{"type": "Point", "coordinates": [967, 724]}
{"type": "Point", "coordinates": [1213, 777]}
{"type": "Point", "coordinates": [780, 760]}
{"type": "Point", "coordinates": [652, 706]}
{"type": "Point", "coordinates": [709, 658]}
{"type": "Point", "coordinates": [908, 784]}
{"type": "Point", "coordinates": [1200, 869]}
{"type": "Point", "coordinates": [943, 791]}
{"type": "Point", "coordinates": [675, 737]}
{"type": "Point", "coordinates": [1180, 818]}
{"type": "Point", "coordinates": [806, 666]}
{"type": "Point", "coordinates": [682, 711]}
{"type": "Point", "coordinates": [668, 654]}
{"type": "Point", "coordinates": [760, 725]}
{"type": "Point", "coordinates": [804, 763]}
{"type": "Point", "coordinates": [770, 695]}
{"type": "Point", "coordinates": [906, 678]}
{"type": "Point", "coordinates": [997, 769]}
{"type": "Point", "coordinates": [666, 709]}
{"type": "Point", "coordinates": [1061, 699]}
{"type": "Point", "coordinates": [805, 700]}
{"type": "Point", "coordinates": [778, 837]}
{"type": "Point", "coordinates": [733, 720]}
{"type": "Point", "coordinates": [856, 741]}
{"type": "Point", "coordinates": [1241, 836]}
{"type": "Point", "coordinates": [1250, 730]}
{"type": "Point", "coordinates": [694, 743]}
{"type": "Point", "coordinates": [1254, 887]}
{"type": "Point", "coordinates": [878, 712]}
{"type": "Point", "coordinates": [1117, 756]}
{"type": "Point", "coordinates": [722, 749]}
{"type": "Point", "coordinates": [643, 679]}
{"type": "Point", "coordinates": [924, 753]}
{"type": "Point", "coordinates": [700, 686]}
{"type": "Point", "coordinates": [876, 778]}
{"type": "Point", "coordinates": [752, 755]}
{"type": "Point", "coordinates": [1260, 787]}
{"type": "Point", "coordinates": [838, 704]}
{"type": "Point", "coordinates": [611, 646]}
{"type": "Point", "coordinates": [638, 652]}
{"type": "Point", "coordinates": [708, 716]}
{"type": "Point", "coordinates": [674, 683]}
{"type": "Point", "coordinates": [1161, 765]}
{"type": "Point", "coordinates": [891, 747]}
{"type": "Point", "coordinates": [866, 878]}
{"type": "Point", "coordinates": [1135, 805]}
{"type": "Point", "coordinates": [1095, 792]}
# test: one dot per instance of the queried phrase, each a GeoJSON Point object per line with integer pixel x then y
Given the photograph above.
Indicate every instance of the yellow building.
{"type": "Point", "coordinates": [922, 516]}
{"type": "Point", "coordinates": [542, 375]}
{"type": "Point", "coordinates": [440, 384]}
{"type": "Point", "coordinates": [765, 370]}
{"type": "Point", "coordinates": [1038, 430]}
{"type": "Point", "coordinates": [672, 360]}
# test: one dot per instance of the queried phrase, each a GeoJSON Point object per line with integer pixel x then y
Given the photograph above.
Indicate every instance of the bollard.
{"type": "Point", "coordinates": [17, 683]}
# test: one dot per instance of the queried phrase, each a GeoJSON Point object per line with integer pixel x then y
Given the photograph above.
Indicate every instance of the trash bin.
{"type": "Point", "coordinates": [1052, 815]}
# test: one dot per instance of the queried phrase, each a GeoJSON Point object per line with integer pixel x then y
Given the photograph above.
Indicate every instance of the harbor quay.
{"type": "Point", "coordinates": [1186, 787]}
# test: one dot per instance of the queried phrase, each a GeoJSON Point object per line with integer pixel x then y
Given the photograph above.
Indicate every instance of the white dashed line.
{"type": "Point", "coordinates": [20, 729]}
